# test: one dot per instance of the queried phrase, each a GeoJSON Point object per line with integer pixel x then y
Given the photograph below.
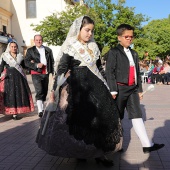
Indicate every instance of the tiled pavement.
{"type": "Point", "coordinates": [18, 150]}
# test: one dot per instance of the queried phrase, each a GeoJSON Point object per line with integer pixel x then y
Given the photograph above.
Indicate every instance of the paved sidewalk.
{"type": "Point", "coordinates": [18, 150]}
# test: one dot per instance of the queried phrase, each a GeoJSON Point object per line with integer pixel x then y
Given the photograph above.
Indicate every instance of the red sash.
{"type": "Point", "coordinates": [43, 71]}
{"type": "Point", "coordinates": [131, 76]}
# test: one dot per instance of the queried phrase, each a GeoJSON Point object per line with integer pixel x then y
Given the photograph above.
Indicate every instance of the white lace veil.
{"type": "Point", "coordinates": [7, 51]}
{"type": "Point", "coordinates": [8, 47]}
{"type": "Point", "coordinates": [73, 36]}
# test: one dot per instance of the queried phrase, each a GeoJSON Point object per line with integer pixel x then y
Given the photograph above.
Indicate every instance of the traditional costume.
{"type": "Point", "coordinates": [88, 125]}
{"type": "Point", "coordinates": [15, 94]}
{"type": "Point", "coordinates": [123, 77]}
{"type": "Point", "coordinates": [40, 76]}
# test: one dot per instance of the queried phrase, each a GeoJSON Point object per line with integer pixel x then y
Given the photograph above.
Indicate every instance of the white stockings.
{"type": "Point", "coordinates": [140, 130]}
{"type": "Point", "coordinates": [40, 105]}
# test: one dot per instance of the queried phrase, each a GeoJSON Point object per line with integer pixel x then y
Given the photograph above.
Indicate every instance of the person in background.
{"type": "Point", "coordinates": [39, 59]}
{"type": "Point", "coordinates": [10, 38]}
{"type": "Point", "coordinates": [158, 60]}
{"type": "Point", "coordinates": [88, 124]}
{"type": "Point", "coordinates": [167, 57]}
{"type": "Point", "coordinates": [123, 77]}
{"type": "Point", "coordinates": [156, 73]}
{"type": "Point", "coordinates": [146, 57]}
{"type": "Point", "coordinates": [15, 93]}
{"type": "Point", "coordinates": [165, 73]}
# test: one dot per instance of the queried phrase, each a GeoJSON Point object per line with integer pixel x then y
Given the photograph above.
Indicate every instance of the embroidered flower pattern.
{"type": "Point", "coordinates": [81, 51]}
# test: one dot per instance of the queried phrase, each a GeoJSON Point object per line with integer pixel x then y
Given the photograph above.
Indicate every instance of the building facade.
{"type": "Point", "coordinates": [5, 23]}
{"type": "Point", "coordinates": [27, 12]}
{"type": "Point", "coordinates": [16, 17]}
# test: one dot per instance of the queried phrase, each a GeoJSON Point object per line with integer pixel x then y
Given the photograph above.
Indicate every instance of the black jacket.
{"type": "Point", "coordinates": [117, 68]}
{"type": "Point", "coordinates": [33, 55]}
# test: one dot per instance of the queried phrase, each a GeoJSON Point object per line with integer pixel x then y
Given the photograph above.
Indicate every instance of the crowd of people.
{"type": "Point", "coordinates": [158, 71]}
{"type": "Point", "coordinates": [87, 103]}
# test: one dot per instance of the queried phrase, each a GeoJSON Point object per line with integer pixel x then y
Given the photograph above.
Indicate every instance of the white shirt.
{"type": "Point", "coordinates": [131, 61]}
{"type": "Point", "coordinates": [41, 50]}
{"type": "Point", "coordinates": [129, 55]}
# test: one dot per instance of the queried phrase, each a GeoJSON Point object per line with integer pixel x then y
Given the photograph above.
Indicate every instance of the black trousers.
{"type": "Point", "coordinates": [128, 98]}
{"type": "Point", "coordinates": [167, 77]}
{"type": "Point", "coordinates": [40, 82]}
{"type": "Point", "coordinates": [156, 77]}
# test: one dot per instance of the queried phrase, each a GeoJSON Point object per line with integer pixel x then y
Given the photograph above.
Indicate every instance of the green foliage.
{"type": "Point", "coordinates": [50, 28]}
{"type": "Point", "coordinates": [155, 39]}
{"type": "Point", "coordinates": [54, 28]}
{"type": "Point", "coordinates": [106, 14]}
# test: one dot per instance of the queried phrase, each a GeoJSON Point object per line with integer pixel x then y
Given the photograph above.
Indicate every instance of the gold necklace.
{"type": "Point", "coordinates": [85, 45]}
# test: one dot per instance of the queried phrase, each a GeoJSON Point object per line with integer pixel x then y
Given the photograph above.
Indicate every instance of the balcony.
{"type": "Point", "coordinates": [3, 39]}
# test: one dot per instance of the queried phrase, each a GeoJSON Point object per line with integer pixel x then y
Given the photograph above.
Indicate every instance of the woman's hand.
{"type": "Point", "coordinates": [67, 74]}
{"type": "Point", "coordinates": [52, 97]}
{"type": "Point", "coordinates": [140, 96]}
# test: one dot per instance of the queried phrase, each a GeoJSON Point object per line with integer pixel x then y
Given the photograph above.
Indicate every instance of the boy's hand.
{"type": "Point", "coordinates": [114, 96]}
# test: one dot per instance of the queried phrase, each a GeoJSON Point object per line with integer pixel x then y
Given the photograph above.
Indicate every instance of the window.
{"type": "Point", "coordinates": [4, 28]}
{"type": "Point", "coordinates": [31, 9]}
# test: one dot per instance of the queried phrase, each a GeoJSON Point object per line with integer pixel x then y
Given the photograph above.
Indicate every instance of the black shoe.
{"type": "Point", "coordinates": [14, 117]}
{"type": "Point", "coordinates": [81, 160]}
{"type": "Point", "coordinates": [153, 148]}
{"type": "Point", "coordinates": [105, 162]}
{"type": "Point", "coordinates": [40, 114]}
{"type": "Point", "coordinates": [121, 150]}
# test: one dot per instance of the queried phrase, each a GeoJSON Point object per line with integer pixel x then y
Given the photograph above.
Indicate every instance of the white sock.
{"type": "Point", "coordinates": [39, 105]}
{"type": "Point", "coordinates": [140, 130]}
{"type": "Point", "coordinates": [42, 105]}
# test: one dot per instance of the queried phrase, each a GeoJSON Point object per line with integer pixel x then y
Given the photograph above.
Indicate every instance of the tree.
{"type": "Point", "coordinates": [54, 28]}
{"type": "Point", "coordinates": [155, 39]}
{"type": "Point", "coordinates": [106, 14]}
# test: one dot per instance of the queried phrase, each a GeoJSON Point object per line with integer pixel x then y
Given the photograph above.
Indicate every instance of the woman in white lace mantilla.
{"type": "Point", "coordinates": [86, 122]}
{"type": "Point", "coordinates": [15, 94]}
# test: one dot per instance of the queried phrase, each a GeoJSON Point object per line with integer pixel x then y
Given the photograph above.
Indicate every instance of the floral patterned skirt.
{"type": "Point", "coordinates": [15, 94]}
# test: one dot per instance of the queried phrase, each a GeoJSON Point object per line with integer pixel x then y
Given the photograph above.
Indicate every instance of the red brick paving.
{"type": "Point", "coordinates": [18, 150]}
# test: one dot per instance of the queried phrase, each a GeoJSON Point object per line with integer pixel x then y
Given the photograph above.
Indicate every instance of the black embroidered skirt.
{"type": "Point", "coordinates": [89, 126]}
{"type": "Point", "coordinates": [15, 94]}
